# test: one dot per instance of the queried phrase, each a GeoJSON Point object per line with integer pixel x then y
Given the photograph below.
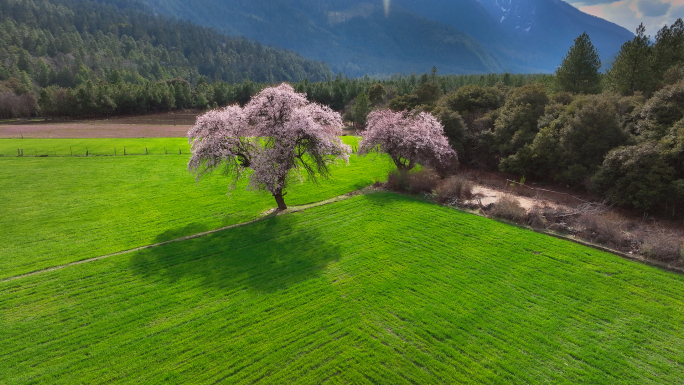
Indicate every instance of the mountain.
{"type": "Point", "coordinates": [533, 34]}
{"type": "Point", "coordinates": [353, 36]}
{"type": "Point", "coordinates": [362, 36]}
{"type": "Point", "coordinates": [550, 26]}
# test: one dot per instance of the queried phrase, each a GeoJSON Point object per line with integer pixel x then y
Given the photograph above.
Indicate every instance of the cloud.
{"type": "Point", "coordinates": [630, 13]}
{"type": "Point", "coordinates": [653, 8]}
{"type": "Point", "coordinates": [597, 2]}
{"type": "Point", "coordinates": [677, 12]}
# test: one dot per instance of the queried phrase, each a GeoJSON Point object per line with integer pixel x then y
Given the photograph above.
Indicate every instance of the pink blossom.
{"type": "Point", "coordinates": [277, 134]}
{"type": "Point", "coordinates": [408, 138]}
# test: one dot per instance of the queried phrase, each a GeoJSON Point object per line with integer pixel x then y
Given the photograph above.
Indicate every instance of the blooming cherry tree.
{"type": "Point", "coordinates": [408, 138]}
{"type": "Point", "coordinates": [277, 135]}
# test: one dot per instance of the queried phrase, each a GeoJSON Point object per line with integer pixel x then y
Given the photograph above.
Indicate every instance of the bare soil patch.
{"type": "Point", "coordinates": [89, 130]}
{"type": "Point", "coordinates": [163, 125]}
{"type": "Point", "coordinates": [173, 118]}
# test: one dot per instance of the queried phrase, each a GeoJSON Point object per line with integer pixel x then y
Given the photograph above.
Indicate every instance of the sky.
{"type": "Point", "coordinates": [629, 13]}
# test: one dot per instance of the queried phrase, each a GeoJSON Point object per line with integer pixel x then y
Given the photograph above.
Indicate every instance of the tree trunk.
{"type": "Point", "coordinates": [281, 202]}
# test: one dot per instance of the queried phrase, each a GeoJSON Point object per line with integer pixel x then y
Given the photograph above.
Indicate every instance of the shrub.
{"type": "Point", "coordinates": [662, 246]}
{"type": "Point", "coordinates": [636, 176]}
{"type": "Point", "coordinates": [417, 182]}
{"type": "Point", "coordinates": [604, 229]}
{"type": "Point", "coordinates": [536, 219]}
{"type": "Point", "coordinates": [508, 208]}
{"type": "Point", "coordinates": [397, 181]}
{"type": "Point", "coordinates": [453, 189]}
{"type": "Point", "coordinates": [423, 181]}
{"type": "Point", "coordinates": [592, 131]}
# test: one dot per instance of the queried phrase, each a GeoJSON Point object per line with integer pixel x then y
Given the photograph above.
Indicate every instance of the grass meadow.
{"type": "Point", "coordinates": [379, 288]}
{"type": "Point", "coordinates": [57, 210]}
{"type": "Point", "coordinates": [99, 146]}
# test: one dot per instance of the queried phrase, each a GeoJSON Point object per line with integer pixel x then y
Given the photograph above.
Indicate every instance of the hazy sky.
{"type": "Point", "coordinates": [629, 13]}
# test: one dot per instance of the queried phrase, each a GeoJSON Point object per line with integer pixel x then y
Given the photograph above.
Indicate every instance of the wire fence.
{"type": "Point", "coordinates": [97, 151]}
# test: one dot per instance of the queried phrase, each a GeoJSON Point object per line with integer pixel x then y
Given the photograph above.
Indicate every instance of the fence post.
{"type": "Point", "coordinates": [124, 151]}
{"type": "Point", "coordinates": [86, 151]}
{"type": "Point", "coordinates": [146, 153]}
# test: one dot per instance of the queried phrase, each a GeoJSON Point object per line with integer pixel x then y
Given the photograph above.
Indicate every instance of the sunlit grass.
{"type": "Point", "coordinates": [59, 210]}
{"type": "Point", "coordinates": [375, 289]}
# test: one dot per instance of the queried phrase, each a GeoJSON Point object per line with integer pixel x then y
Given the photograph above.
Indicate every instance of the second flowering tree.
{"type": "Point", "coordinates": [409, 138]}
{"type": "Point", "coordinates": [276, 135]}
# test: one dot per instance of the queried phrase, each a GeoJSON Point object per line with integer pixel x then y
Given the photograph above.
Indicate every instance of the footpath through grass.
{"type": "Point", "coordinates": [375, 289]}
{"type": "Point", "coordinates": [60, 210]}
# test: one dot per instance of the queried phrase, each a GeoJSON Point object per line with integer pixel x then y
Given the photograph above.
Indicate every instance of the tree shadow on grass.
{"type": "Point", "coordinates": [193, 228]}
{"type": "Point", "coordinates": [266, 256]}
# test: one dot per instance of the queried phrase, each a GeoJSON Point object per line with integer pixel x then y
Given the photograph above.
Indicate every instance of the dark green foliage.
{"type": "Point", "coordinates": [404, 103]}
{"type": "Point", "coordinates": [668, 49]}
{"type": "Point", "coordinates": [540, 159]}
{"type": "Point", "coordinates": [592, 132]}
{"type": "Point", "coordinates": [423, 98]}
{"type": "Point", "coordinates": [454, 128]}
{"type": "Point", "coordinates": [579, 72]}
{"type": "Point", "coordinates": [631, 70]}
{"type": "Point", "coordinates": [475, 99]}
{"type": "Point", "coordinates": [376, 94]}
{"type": "Point", "coordinates": [673, 146]}
{"type": "Point", "coordinates": [428, 93]}
{"type": "Point", "coordinates": [661, 112]}
{"type": "Point", "coordinates": [516, 125]}
{"type": "Point", "coordinates": [635, 176]}
{"type": "Point", "coordinates": [362, 107]}
{"type": "Point", "coordinates": [563, 98]}
{"type": "Point", "coordinates": [572, 140]}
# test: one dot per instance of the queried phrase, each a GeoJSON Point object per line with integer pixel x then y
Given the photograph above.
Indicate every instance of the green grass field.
{"type": "Point", "coordinates": [375, 289]}
{"type": "Point", "coordinates": [98, 147]}
{"type": "Point", "coordinates": [60, 210]}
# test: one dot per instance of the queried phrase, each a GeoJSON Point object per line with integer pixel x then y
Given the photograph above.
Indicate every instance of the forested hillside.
{"type": "Point", "coordinates": [68, 42]}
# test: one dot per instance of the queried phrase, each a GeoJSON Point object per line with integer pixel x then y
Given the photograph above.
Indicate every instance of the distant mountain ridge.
{"type": "Point", "coordinates": [458, 36]}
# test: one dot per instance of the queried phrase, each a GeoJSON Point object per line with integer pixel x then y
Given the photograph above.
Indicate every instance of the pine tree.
{"type": "Point", "coordinates": [361, 109]}
{"type": "Point", "coordinates": [579, 72]}
{"type": "Point", "coordinates": [668, 49]}
{"type": "Point", "coordinates": [630, 71]}
{"type": "Point", "coordinates": [44, 73]}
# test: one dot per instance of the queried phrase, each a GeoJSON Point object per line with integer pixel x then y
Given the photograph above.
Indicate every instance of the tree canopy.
{"type": "Point", "coordinates": [631, 69]}
{"type": "Point", "coordinates": [408, 138]}
{"type": "Point", "coordinates": [277, 134]}
{"type": "Point", "coordinates": [579, 71]}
